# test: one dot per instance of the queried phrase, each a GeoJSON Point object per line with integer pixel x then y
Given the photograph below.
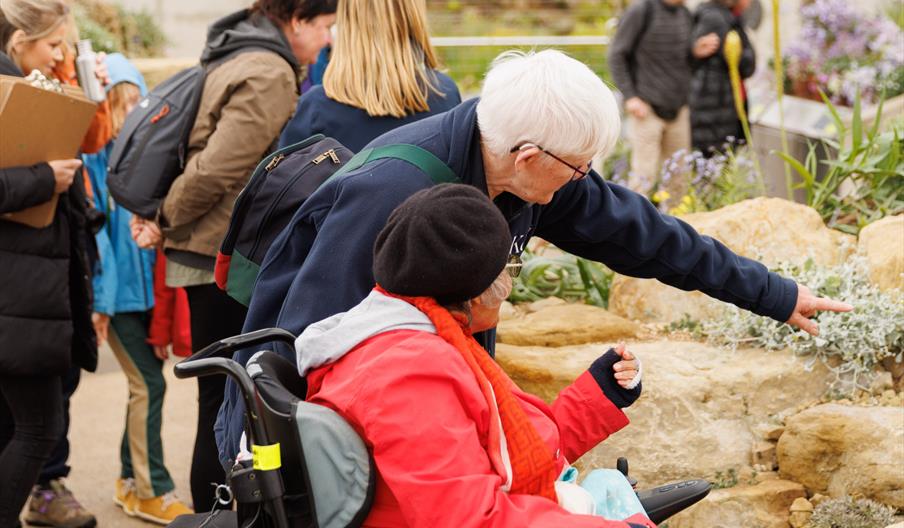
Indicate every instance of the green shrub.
{"type": "Point", "coordinates": [566, 276]}
{"type": "Point", "coordinates": [113, 28]}
{"type": "Point", "coordinates": [849, 513]}
{"type": "Point", "coordinates": [868, 162]}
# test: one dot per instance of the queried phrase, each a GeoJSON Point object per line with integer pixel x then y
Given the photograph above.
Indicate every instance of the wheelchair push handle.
{"type": "Point", "coordinates": [230, 344]}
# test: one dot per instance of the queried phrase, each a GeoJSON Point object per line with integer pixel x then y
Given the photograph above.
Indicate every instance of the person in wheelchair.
{"type": "Point", "coordinates": [454, 441]}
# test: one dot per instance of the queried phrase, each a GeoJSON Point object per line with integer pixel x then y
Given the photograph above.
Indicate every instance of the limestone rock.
{"type": "Point", "coordinates": [543, 304]}
{"type": "Point", "coordinates": [801, 511]}
{"type": "Point", "coordinates": [765, 505]}
{"type": "Point", "coordinates": [817, 498]}
{"type": "Point", "coordinates": [774, 433]}
{"type": "Point", "coordinates": [846, 450]}
{"type": "Point", "coordinates": [701, 406]}
{"type": "Point", "coordinates": [565, 324]}
{"type": "Point", "coordinates": [507, 311]}
{"type": "Point", "coordinates": [764, 455]}
{"type": "Point", "coordinates": [771, 230]}
{"type": "Point", "coordinates": [882, 243]}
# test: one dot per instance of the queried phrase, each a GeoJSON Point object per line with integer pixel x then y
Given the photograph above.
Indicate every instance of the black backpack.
{"type": "Point", "coordinates": [151, 149]}
{"type": "Point", "coordinates": [279, 185]}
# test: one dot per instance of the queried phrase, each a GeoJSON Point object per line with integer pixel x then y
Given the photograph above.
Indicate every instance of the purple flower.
{"type": "Point", "coordinates": [844, 51]}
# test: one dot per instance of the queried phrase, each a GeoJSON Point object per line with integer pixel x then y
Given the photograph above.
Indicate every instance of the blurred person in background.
{"type": "Point", "coordinates": [650, 59]}
{"type": "Point", "coordinates": [45, 294]}
{"type": "Point", "coordinates": [254, 58]}
{"type": "Point", "coordinates": [714, 119]}
{"type": "Point", "coordinates": [123, 298]}
{"type": "Point", "coordinates": [366, 92]}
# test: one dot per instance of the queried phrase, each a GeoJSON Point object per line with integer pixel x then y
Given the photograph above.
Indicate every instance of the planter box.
{"type": "Point", "coordinates": [806, 122]}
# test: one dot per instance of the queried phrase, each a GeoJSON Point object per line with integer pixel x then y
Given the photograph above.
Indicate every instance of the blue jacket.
{"type": "Point", "coordinates": [321, 263]}
{"type": "Point", "coordinates": [318, 114]}
{"type": "Point", "coordinates": [125, 280]}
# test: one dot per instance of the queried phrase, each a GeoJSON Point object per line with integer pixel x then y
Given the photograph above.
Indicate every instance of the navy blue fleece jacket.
{"type": "Point", "coordinates": [321, 263]}
{"type": "Point", "coordinates": [318, 114]}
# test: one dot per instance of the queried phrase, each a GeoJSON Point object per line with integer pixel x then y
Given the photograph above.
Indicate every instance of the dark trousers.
{"type": "Point", "coordinates": [57, 465]}
{"type": "Point", "coordinates": [31, 422]}
{"type": "Point", "coordinates": [214, 316]}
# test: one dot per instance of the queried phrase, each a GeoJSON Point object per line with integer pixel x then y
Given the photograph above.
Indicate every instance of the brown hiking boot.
{"type": "Point", "coordinates": [56, 507]}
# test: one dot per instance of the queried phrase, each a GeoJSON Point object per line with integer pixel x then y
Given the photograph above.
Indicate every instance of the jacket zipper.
{"type": "Point", "coordinates": [282, 192]}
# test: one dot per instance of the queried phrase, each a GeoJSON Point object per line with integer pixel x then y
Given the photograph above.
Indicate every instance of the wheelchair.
{"type": "Point", "coordinates": [309, 468]}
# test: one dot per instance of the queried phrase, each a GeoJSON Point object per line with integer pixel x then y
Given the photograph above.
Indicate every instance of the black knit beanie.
{"type": "Point", "coordinates": [448, 242]}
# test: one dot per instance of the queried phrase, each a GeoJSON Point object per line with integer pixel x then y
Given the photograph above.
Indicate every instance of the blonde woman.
{"type": "Point", "coordinates": [382, 75]}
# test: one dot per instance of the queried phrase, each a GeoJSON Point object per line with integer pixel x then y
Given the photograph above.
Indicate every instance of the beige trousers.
{"type": "Point", "coordinates": [653, 140]}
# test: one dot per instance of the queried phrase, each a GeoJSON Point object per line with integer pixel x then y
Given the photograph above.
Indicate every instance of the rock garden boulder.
{"type": "Point", "coordinates": [562, 324]}
{"type": "Point", "coordinates": [882, 243]}
{"type": "Point", "coordinates": [702, 407]}
{"type": "Point", "coordinates": [846, 450]}
{"type": "Point", "coordinates": [764, 505]}
{"type": "Point", "coordinates": [771, 230]}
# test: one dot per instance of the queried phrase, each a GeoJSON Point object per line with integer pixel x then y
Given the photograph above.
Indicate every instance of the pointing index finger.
{"type": "Point", "coordinates": [822, 303]}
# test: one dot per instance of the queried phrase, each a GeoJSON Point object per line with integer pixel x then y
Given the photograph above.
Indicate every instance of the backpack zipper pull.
{"type": "Point", "coordinates": [328, 154]}
{"type": "Point", "coordinates": [273, 163]}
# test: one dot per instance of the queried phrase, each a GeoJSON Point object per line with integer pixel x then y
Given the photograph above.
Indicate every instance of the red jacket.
{"type": "Point", "coordinates": [170, 320]}
{"type": "Point", "coordinates": [418, 407]}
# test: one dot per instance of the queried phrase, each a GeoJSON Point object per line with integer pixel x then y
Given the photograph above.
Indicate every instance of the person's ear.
{"type": "Point", "coordinates": [17, 40]}
{"type": "Point", "coordinates": [527, 154]}
{"type": "Point", "coordinates": [297, 24]}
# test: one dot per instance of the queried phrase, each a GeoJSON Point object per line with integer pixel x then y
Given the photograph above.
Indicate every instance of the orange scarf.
{"type": "Point", "coordinates": [516, 450]}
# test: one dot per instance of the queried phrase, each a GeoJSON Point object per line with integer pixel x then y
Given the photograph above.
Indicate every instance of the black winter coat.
{"type": "Point", "coordinates": [45, 293]}
{"type": "Point", "coordinates": [713, 115]}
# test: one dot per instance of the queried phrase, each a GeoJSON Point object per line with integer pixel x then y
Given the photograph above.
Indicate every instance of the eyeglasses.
{"type": "Point", "coordinates": [514, 266]}
{"type": "Point", "coordinates": [578, 173]}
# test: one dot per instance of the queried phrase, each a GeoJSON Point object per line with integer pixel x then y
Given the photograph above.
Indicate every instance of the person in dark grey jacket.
{"type": "Point", "coordinates": [650, 60]}
{"type": "Point", "coordinates": [526, 143]}
{"type": "Point", "coordinates": [714, 120]}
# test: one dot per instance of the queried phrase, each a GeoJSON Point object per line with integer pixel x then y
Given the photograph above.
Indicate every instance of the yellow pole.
{"type": "Point", "coordinates": [732, 52]}
{"type": "Point", "coordinates": [779, 66]}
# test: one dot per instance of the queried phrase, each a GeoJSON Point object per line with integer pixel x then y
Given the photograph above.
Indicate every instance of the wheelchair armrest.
{"type": "Point", "coordinates": [664, 501]}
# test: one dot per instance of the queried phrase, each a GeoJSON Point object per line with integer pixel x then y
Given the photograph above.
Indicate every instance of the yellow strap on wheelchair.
{"type": "Point", "coordinates": [266, 458]}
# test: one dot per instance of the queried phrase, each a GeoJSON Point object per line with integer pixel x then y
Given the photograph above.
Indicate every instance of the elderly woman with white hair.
{"type": "Point", "coordinates": [527, 143]}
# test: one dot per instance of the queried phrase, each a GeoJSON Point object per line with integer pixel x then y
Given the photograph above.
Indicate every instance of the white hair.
{"type": "Point", "coordinates": [549, 99]}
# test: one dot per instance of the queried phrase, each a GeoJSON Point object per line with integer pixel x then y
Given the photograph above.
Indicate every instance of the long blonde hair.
{"type": "Point", "coordinates": [382, 60]}
{"type": "Point", "coordinates": [36, 18]}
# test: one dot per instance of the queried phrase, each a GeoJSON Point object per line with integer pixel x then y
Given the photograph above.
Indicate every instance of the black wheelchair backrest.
{"type": "Point", "coordinates": [328, 473]}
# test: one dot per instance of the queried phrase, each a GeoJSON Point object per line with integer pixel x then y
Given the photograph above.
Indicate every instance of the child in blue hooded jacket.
{"type": "Point", "coordinates": [124, 296]}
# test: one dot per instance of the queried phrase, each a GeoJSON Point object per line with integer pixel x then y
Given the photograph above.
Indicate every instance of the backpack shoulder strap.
{"type": "Point", "coordinates": [647, 15]}
{"type": "Point", "coordinates": [424, 160]}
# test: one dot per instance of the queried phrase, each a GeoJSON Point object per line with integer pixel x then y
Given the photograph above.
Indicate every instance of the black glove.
{"type": "Point", "coordinates": [602, 372]}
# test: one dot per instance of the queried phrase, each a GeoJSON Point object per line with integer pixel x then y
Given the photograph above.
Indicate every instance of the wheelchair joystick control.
{"type": "Point", "coordinates": [622, 466]}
